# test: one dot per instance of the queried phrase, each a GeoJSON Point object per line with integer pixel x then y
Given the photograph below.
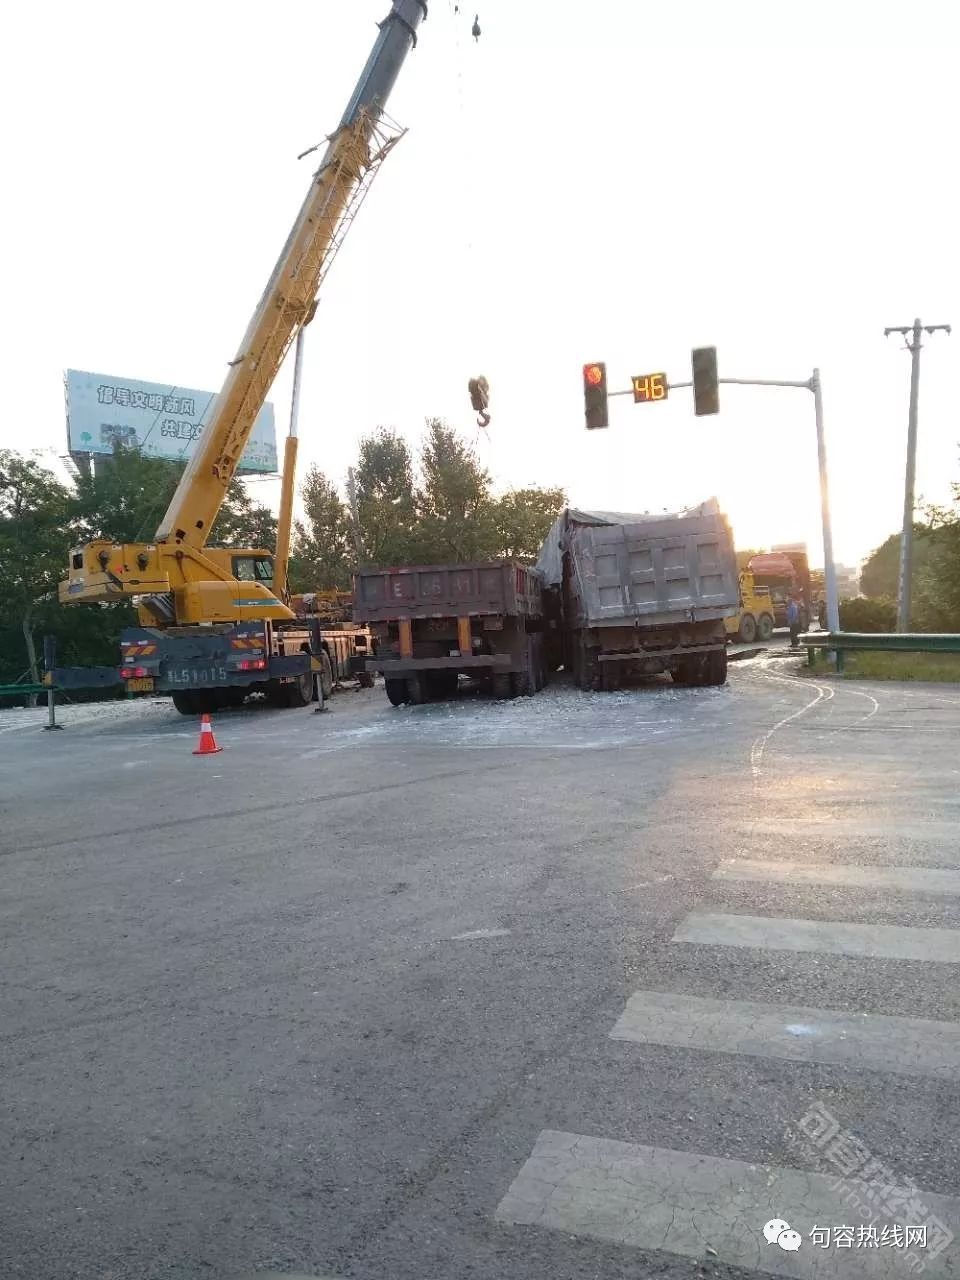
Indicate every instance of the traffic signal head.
{"type": "Point", "coordinates": [595, 395]}
{"type": "Point", "coordinates": [706, 390]}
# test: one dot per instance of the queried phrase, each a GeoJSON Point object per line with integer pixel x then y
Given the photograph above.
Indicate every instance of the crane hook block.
{"type": "Point", "coordinates": [479, 390]}
{"type": "Point", "coordinates": [476, 28]}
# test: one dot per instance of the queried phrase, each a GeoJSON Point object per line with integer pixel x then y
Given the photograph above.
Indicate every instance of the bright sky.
{"type": "Point", "coordinates": [611, 179]}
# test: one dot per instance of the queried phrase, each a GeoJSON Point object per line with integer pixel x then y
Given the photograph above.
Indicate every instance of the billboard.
{"type": "Point", "coordinates": [160, 420]}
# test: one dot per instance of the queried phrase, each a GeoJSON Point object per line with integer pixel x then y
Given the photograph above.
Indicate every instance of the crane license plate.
{"type": "Point", "coordinates": [196, 677]}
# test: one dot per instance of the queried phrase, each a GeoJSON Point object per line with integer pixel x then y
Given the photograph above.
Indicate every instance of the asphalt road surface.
{"type": "Point", "coordinates": [578, 986]}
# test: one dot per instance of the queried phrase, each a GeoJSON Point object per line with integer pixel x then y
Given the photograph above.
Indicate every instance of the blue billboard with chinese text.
{"type": "Point", "coordinates": [160, 420]}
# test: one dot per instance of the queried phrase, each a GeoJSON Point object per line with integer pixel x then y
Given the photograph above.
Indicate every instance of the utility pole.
{"type": "Point", "coordinates": [911, 334]}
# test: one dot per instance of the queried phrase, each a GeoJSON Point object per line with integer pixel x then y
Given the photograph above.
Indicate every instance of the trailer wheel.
{"type": "Point", "coordinates": [748, 628]}
{"type": "Point", "coordinates": [502, 685]}
{"type": "Point", "coordinates": [415, 691]}
{"type": "Point", "coordinates": [765, 626]}
{"type": "Point", "coordinates": [396, 692]}
{"type": "Point", "coordinates": [442, 684]}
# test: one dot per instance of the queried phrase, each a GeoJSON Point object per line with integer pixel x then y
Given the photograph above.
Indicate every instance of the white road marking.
{"type": "Point", "coordinates": [702, 1206]}
{"type": "Point", "coordinates": [905, 879]}
{"type": "Point", "coordinates": [480, 933]}
{"type": "Point", "coordinates": [760, 744]}
{"type": "Point", "coordinates": [876, 1042]}
{"type": "Point", "coordinates": [774, 933]}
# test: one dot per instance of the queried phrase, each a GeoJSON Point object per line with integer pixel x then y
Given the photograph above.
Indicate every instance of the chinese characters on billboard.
{"type": "Point", "coordinates": [160, 420]}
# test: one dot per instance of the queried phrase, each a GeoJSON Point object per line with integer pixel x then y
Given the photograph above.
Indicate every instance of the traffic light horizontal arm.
{"type": "Point", "coordinates": [738, 382]}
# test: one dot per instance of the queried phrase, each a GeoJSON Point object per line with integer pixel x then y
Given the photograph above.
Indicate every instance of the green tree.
{"type": "Point", "coordinates": [126, 495]}
{"type": "Point", "coordinates": [241, 522]}
{"type": "Point", "coordinates": [868, 615]}
{"type": "Point", "coordinates": [523, 518]}
{"type": "Point", "coordinates": [880, 575]}
{"type": "Point", "coordinates": [320, 558]}
{"type": "Point", "coordinates": [386, 508]}
{"type": "Point", "coordinates": [936, 574]}
{"type": "Point", "coordinates": [456, 518]}
{"type": "Point", "coordinates": [35, 535]}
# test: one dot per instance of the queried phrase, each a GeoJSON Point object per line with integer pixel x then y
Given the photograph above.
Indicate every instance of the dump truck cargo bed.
{"type": "Point", "coordinates": [657, 573]}
{"type": "Point", "coordinates": [434, 623]}
{"type": "Point", "coordinates": [643, 594]}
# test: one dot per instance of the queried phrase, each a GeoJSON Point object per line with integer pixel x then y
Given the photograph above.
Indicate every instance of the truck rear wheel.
{"type": "Point", "coordinates": [715, 668]}
{"type": "Point", "coordinates": [689, 670]}
{"type": "Point", "coordinates": [588, 668]}
{"type": "Point", "coordinates": [521, 684]}
{"type": "Point", "coordinates": [185, 702]}
{"type": "Point", "coordinates": [365, 679]}
{"type": "Point", "coordinates": [765, 626]}
{"type": "Point", "coordinates": [396, 692]}
{"type": "Point", "coordinates": [748, 628]}
{"type": "Point", "coordinates": [415, 690]}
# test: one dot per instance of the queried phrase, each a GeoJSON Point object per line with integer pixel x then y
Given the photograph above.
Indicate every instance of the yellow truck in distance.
{"type": "Point", "coordinates": [755, 620]}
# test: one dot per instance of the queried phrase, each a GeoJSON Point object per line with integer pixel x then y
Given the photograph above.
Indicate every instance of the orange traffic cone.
{"type": "Point", "coordinates": [208, 743]}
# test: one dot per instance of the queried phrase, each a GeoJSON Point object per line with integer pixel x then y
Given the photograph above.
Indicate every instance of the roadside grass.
{"type": "Point", "coordinates": [935, 667]}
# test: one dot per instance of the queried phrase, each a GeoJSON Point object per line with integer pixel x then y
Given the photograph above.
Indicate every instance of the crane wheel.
{"type": "Point", "coordinates": [299, 693]}
{"type": "Point", "coordinates": [748, 628]}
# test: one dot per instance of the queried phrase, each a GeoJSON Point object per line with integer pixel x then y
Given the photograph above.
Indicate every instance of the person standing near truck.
{"type": "Point", "coordinates": [793, 621]}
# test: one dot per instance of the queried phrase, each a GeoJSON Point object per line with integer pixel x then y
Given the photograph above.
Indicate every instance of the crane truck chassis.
{"type": "Point", "coordinates": [209, 668]}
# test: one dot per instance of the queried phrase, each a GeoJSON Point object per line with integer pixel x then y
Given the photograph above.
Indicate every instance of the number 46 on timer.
{"type": "Point", "coordinates": [649, 386]}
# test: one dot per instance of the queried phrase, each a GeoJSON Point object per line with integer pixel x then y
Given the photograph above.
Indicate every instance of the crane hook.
{"type": "Point", "coordinates": [479, 390]}
{"type": "Point", "coordinates": [476, 28]}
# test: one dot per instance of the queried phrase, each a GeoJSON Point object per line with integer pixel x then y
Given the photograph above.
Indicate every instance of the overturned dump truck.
{"type": "Point", "coordinates": [637, 595]}
{"type": "Point", "coordinates": [434, 623]}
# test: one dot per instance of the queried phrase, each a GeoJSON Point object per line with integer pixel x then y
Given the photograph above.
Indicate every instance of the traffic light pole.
{"type": "Point", "coordinates": [811, 384]}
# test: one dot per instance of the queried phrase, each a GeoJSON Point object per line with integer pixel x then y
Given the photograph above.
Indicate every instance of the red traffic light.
{"type": "Point", "coordinates": [595, 394]}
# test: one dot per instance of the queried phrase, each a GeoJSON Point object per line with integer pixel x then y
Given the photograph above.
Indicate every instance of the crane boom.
{"type": "Point", "coordinates": [352, 157]}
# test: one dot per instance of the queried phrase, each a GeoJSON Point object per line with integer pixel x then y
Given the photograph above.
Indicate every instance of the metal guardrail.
{"type": "Point", "coordinates": [21, 690]}
{"type": "Point", "coordinates": [841, 642]}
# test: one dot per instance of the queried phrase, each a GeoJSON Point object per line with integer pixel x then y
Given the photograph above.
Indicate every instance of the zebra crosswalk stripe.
{"type": "Point", "coordinates": [907, 1046]}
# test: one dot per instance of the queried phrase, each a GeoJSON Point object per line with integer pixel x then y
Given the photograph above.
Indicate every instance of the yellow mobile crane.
{"type": "Point", "coordinates": [214, 622]}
